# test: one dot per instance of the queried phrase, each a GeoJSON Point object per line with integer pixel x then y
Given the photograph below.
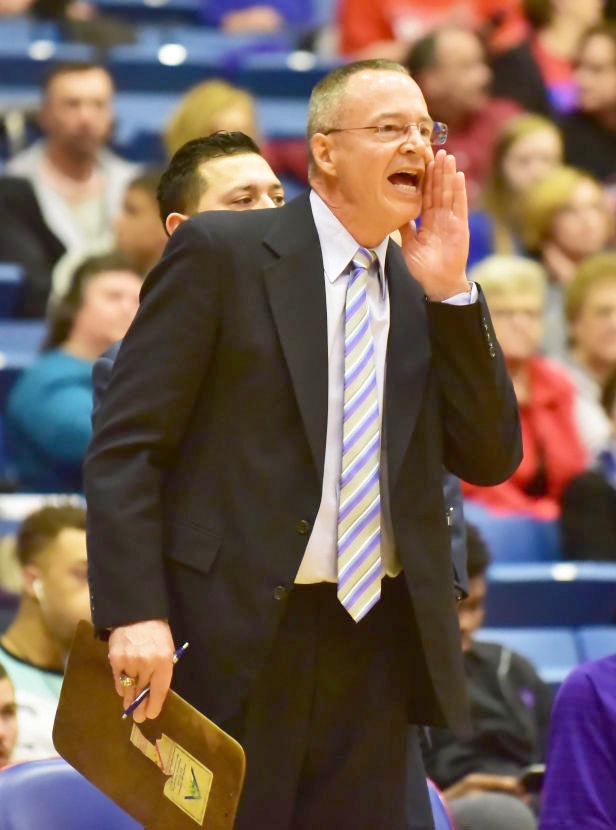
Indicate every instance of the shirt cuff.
{"type": "Point", "coordinates": [465, 298]}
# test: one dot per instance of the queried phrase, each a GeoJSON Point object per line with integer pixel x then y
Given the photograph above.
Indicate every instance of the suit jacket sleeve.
{"type": "Point", "coordinates": [165, 354]}
{"type": "Point", "coordinates": [482, 438]}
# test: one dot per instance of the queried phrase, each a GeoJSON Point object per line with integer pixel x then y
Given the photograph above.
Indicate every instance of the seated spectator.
{"type": "Point", "coordinates": [216, 105]}
{"type": "Point", "coordinates": [564, 217]}
{"type": "Point", "coordinates": [235, 16]}
{"type": "Point", "coordinates": [387, 28]}
{"type": "Point", "coordinates": [8, 718]}
{"type": "Point", "coordinates": [579, 787]}
{"type": "Point", "coordinates": [79, 20]}
{"type": "Point", "coordinates": [49, 407]}
{"type": "Point", "coordinates": [557, 29]}
{"type": "Point", "coordinates": [528, 147]}
{"type": "Point", "coordinates": [590, 308]}
{"type": "Point", "coordinates": [27, 240]}
{"type": "Point", "coordinates": [51, 546]}
{"type": "Point", "coordinates": [553, 449]}
{"type": "Point", "coordinates": [588, 520]}
{"type": "Point", "coordinates": [78, 182]}
{"type": "Point", "coordinates": [590, 130]}
{"type": "Point", "coordinates": [509, 712]}
{"type": "Point", "coordinates": [139, 233]}
{"type": "Point", "coordinates": [451, 67]}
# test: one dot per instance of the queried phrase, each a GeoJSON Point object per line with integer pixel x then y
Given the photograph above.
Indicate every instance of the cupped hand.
{"type": "Point", "coordinates": [437, 252]}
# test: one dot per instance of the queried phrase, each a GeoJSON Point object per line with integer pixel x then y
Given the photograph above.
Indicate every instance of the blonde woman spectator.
{"type": "Point", "coordinates": [529, 146]}
{"type": "Point", "coordinates": [590, 308]}
{"type": "Point", "coordinates": [565, 217]}
{"type": "Point", "coordinates": [553, 450]}
{"type": "Point", "coordinates": [206, 108]}
{"type": "Point", "coordinates": [217, 105]}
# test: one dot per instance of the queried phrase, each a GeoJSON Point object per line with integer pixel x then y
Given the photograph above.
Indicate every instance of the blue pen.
{"type": "Point", "coordinates": [142, 695]}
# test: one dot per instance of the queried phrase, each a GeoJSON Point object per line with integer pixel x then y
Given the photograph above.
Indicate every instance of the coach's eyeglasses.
{"type": "Point", "coordinates": [430, 132]}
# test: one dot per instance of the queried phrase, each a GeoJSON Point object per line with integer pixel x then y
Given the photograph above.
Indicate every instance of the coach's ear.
{"type": "Point", "coordinates": [173, 221]}
{"type": "Point", "coordinates": [323, 155]}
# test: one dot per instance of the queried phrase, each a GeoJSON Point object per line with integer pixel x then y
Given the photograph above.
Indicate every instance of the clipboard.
{"type": "Point", "coordinates": [178, 772]}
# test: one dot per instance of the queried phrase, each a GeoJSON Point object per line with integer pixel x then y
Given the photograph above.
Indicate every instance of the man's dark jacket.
{"type": "Point", "coordinates": [204, 475]}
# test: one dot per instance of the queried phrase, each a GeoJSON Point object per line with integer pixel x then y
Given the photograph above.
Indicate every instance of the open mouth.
{"type": "Point", "coordinates": [405, 180]}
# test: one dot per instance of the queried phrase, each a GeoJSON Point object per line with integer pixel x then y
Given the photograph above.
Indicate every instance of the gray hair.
{"type": "Point", "coordinates": [325, 101]}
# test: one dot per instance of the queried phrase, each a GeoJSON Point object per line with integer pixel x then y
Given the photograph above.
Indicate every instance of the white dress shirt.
{"type": "Point", "coordinates": [319, 563]}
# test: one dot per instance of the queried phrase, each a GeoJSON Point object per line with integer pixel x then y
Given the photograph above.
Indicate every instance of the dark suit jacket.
{"type": "Point", "coordinates": [205, 471]}
{"type": "Point", "coordinates": [452, 492]}
{"type": "Point", "coordinates": [26, 240]}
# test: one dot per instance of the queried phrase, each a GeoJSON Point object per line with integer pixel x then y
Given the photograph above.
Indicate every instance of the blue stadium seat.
{"type": "Point", "coordinates": [50, 794]}
{"type": "Point", "coordinates": [279, 74]}
{"type": "Point", "coordinates": [551, 594]}
{"type": "Point", "coordinates": [185, 11]}
{"type": "Point", "coordinates": [515, 538]}
{"type": "Point", "coordinates": [552, 651]}
{"type": "Point", "coordinates": [596, 641]}
{"type": "Point", "coordinates": [11, 279]}
{"type": "Point", "coordinates": [23, 63]}
{"type": "Point", "coordinates": [20, 341]}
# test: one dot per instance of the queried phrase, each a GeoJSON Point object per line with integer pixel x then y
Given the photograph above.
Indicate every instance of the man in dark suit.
{"type": "Point", "coordinates": [214, 474]}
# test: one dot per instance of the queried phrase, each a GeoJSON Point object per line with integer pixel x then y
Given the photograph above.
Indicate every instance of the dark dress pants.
{"type": "Point", "coordinates": [325, 728]}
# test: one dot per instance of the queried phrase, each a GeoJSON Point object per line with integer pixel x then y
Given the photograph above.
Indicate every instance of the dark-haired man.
{"type": "Point", "coordinates": [222, 171]}
{"type": "Point", "coordinates": [51, 549]}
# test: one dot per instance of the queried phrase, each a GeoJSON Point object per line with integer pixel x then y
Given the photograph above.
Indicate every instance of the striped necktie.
{"type": "Point", "coordinates": [359, 511]}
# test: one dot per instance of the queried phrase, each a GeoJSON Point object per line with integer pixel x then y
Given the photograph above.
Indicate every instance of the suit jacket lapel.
{"type": "Point", "coordinates": [296, 290]}
{"type": "Point", "coordinates": [408, 352]}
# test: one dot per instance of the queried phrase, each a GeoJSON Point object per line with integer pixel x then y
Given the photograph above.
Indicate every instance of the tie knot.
{"type": "Point", "coordinates": [364, 258]}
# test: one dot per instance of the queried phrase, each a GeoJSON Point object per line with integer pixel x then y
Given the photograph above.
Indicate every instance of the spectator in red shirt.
{"type": "Point", "coordinates": [451, 66]}
{"type": "Point", "coordinates": [387, 28]}
{"type": "Point", "coordinates": [553, 449]}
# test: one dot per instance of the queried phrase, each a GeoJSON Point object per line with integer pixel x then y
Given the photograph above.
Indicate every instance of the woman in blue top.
{"type": "Point", "coordinates": [49, 408]}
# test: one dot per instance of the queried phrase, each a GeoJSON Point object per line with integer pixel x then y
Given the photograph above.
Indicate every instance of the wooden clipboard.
{"type": "Point", "coordinates": [178, 771]}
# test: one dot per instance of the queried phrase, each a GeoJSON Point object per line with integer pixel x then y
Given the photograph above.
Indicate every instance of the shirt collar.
{"type": "Point", "coordinates": [337, 245]}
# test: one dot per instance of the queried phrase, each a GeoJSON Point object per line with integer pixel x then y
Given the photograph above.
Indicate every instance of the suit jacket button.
{"type": "Point", "coordinates": [492, 351]}
{"type": "Point", "coordinates": [280, 592]}
{"type": "Point", "coordinates": [303, 527]}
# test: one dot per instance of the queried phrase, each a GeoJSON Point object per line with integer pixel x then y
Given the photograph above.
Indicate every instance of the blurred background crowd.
{"type": "Point", "coordinates": [96, 97]}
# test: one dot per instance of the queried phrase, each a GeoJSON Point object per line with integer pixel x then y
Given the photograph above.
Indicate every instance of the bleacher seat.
{"type": "Point", "coordinates": [49, 794]}
{"type": "Point", "coordinates": [551, 594]}
{"type": "Point", "coordinates": [596, 641]}
{"type": "Point", "coordinates": [552, 651]}
{"type": "Point", "coordinates": [20, 341]}
{"type": "Point", "coordinates": [184, 11]}
{"type": "Point", "coordinates": [11, 278]}
{"type": "Point", "coordinates": [515, 538]}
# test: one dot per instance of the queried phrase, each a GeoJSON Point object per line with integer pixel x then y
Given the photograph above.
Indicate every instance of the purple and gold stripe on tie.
{"type": "Point", "coordinates": [359, 512]}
